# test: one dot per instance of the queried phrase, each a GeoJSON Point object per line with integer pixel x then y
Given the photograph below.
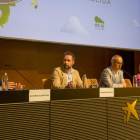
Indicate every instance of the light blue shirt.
{"type": "Point", "coordinates": [69, 76]}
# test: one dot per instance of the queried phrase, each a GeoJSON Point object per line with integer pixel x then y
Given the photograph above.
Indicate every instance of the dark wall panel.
{"type": "Point", "coordinates": [137, 62]}
{"type": "Point", "coordinates": [36, 60]}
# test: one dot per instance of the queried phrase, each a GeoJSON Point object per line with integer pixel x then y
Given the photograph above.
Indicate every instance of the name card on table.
{"type": "Point", "coordinates": [39, 95]}
{"type": "Point", "coordinates": [106, 92]}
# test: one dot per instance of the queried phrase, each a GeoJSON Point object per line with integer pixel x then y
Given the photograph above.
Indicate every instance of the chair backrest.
{"type": "Point", "coordinates": [47, 83]}
{"type": "Point", "coordinates": [128, 82]}
{"type": "Point", "coordinates": [90, 83]}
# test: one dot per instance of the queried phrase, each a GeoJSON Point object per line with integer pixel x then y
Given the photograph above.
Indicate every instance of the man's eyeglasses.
{"type": "Point", "coordinates": [119, 63]}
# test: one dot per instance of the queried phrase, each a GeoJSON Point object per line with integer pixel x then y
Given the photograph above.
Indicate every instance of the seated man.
{"type": "Point", "coordinates": [113, 76]}
{"type": "Point", "coordinates": [65, 76]}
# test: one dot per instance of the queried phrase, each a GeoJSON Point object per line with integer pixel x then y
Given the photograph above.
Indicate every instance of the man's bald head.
{"type": "Point", "coordinates": [116, 57]}
{"type": "Point", "coordinates": [117, 62]}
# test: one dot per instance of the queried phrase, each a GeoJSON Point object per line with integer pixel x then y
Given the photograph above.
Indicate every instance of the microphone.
{"type": "Point", "coordinates": [20, 74]}
{"type": "Point", "coordinates": [126, 73]}
{"type": "Point", "coordinates": [88, 76]}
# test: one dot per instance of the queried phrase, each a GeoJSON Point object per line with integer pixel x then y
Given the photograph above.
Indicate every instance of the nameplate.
{"type": "Point", "coordinates": [39, 95]}
{"type": "Point", "coordinates": [106, 92]}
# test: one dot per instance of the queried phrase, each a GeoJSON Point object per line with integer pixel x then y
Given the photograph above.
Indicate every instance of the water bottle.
{"type": "Point", "coordinates": [5, 82]}
{"type": "Point", "coordinates": [135, 81]}
{"type": "Point", "coordinates": [84, 79]}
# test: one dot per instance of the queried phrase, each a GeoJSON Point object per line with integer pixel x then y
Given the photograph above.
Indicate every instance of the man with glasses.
{"type": "Point", "coordinates": [113, 76]}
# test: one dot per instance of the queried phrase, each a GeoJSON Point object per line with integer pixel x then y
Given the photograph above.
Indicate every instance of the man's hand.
{"type": "Point", "coordinates": [111, 80]}
{"type": "Point", "coordinates": [11, 85]}
{"type": "Point", "coordinates": [124, 84]}
{"type": "Point", "coordinates": [16, 86]}
{"type": "Point", "coordinates": [72, 85]}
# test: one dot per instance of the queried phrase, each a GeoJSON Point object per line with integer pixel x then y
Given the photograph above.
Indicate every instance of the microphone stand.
{"type": "Point", "coordinates": [20, 74]}
{"type": "Point", "coordinates": [128, 74]}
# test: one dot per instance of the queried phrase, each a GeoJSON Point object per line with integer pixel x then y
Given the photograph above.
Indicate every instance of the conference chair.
{"type": "Point", "coordinates": [128, 82]}
{"type": "Point", "coordinates": [47, 83]}
{"type": "Point", "coordinates": [91, 84]}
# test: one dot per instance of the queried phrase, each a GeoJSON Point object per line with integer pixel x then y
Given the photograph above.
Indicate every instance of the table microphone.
{"type": "Point", "coordinates": [88, 76]}
{"type": "Point", "coordinates": [20, 74]}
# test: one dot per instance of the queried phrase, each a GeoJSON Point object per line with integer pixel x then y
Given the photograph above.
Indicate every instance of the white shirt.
{"type": "Point", "coordinates": [69, 76]}
{"type": "Point", "coordinates": [115, 74]}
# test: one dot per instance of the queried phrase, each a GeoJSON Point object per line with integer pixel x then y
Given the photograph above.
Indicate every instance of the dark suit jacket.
{"type": "Point", "coordinates": [0, 83]}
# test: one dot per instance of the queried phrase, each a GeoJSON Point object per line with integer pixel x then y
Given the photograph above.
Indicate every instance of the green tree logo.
{"type": "Point", "coordinates": [99, 21]}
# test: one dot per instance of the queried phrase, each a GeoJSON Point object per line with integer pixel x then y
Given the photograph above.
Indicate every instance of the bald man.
{"type": "Point", "coordinates": [113, 76]}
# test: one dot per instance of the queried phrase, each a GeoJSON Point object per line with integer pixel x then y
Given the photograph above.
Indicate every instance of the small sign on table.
{"type": "Point", "coordinates": [39, 95]}
{"type": "Point", "coordinates": [106, 92]}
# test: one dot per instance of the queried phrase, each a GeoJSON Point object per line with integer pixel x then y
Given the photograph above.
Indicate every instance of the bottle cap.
{"type": "Point", "coordinates": [84, 75]}
{"type": "Point", "coordinates": [5, 73]}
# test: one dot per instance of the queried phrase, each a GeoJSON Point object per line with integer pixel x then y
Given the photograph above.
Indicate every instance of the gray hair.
{"type": "Point", "coordinates": [114, 58]}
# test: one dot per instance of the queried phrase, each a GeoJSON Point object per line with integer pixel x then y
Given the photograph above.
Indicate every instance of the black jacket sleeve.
{"type": "Point", "coordinates": [0, 83]}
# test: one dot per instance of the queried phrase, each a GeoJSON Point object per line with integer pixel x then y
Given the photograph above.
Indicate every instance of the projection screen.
{"type": "Point", "coordinates": [112, 23]}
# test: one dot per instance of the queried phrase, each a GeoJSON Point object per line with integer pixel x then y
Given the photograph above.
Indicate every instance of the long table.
{"type": "Point", "coordinates": [70, 114]}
